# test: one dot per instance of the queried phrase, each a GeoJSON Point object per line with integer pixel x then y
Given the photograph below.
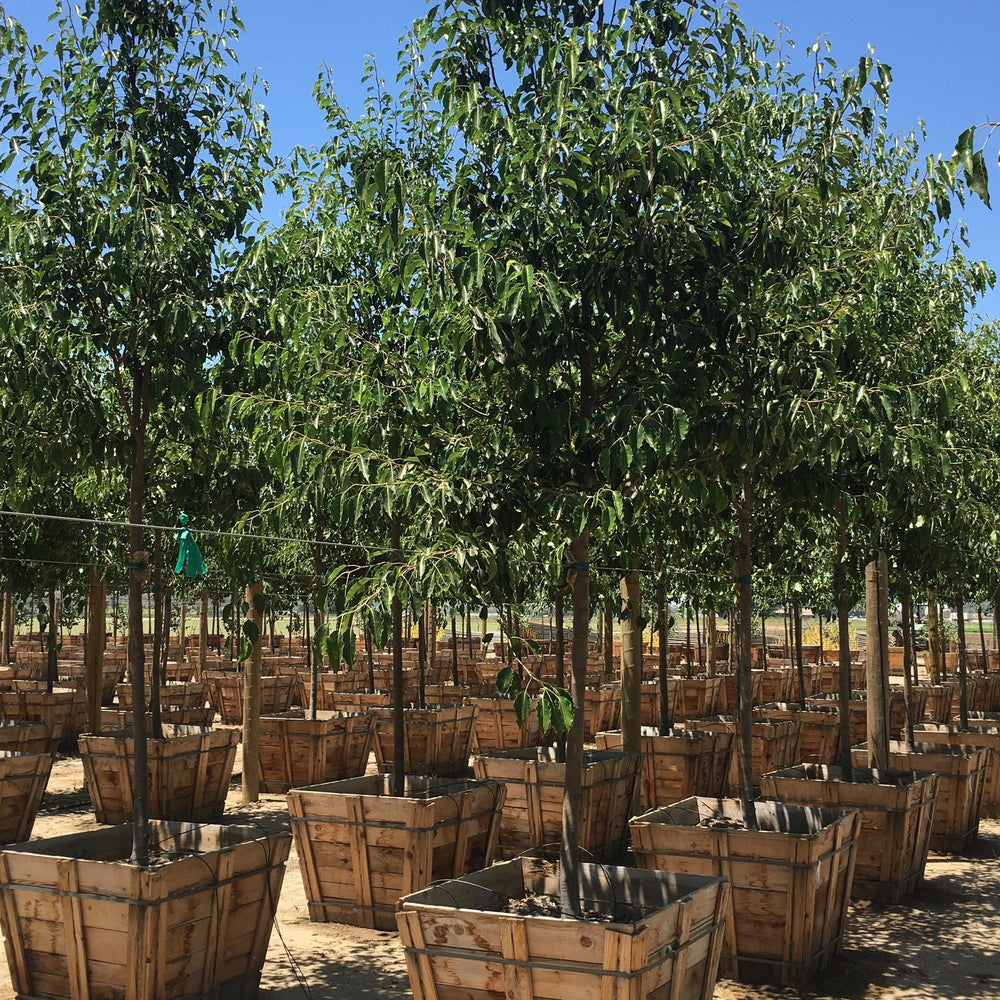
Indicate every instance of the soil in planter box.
{"type": "Point", "coordinates": [542, 905]}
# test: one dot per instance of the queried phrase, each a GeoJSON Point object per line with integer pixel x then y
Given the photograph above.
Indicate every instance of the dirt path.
{"type": "Point", "coordinates": [943, 942]}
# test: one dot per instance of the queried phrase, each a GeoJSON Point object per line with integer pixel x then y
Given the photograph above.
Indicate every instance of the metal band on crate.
{"type": "Point", "coordinates": [382, 825]}
{"type": "Point", "coordinates": [665, 953]}
{"type": "Point", "coordinates": [641, 853]}
{"type": "Point", "coordinates": [48, 890]}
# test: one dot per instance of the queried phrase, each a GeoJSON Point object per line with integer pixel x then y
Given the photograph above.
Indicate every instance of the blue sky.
{"type": "Point", "coordinates": [943, 57]}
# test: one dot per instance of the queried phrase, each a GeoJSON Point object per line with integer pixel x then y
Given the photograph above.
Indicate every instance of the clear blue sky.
{"type": "Point", "coordinates": [941, 54]}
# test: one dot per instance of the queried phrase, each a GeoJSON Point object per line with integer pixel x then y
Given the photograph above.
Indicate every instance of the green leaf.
{"type": "Point", "coordinates": [522, 707]}
{"type": "Point", "coordinates": [251, 631]}
{"type": "Point", "coordinates": [964, 149]}
{"type": "Point", "coordinates": [979, 180]}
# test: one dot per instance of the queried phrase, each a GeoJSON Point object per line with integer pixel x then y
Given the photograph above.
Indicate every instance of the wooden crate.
{"type": "Point", "coordinates": [81, 921]}
{"type": "Point", "coordinates": [225, 692]}
{"type": "Point", "coordinates": [461, 941]}
{"type": "Point", "coordinates": [698, 697]}
{"type": "Point", "coordinates": [436, 740]}
{"type": "Point", "coordinates": [496, 726]}
{"type": "Point", "coordinates": [21, 736]}
{"type": "Point", "coordinates": [791, 879]}
{"type": "Point", "coordinates": [728, 699]}
{"type": "Point", "coordinates": [532, 816]}
{"type": "Point", "coordinates": [649, 701]}
{"type": "Point", "coordinates": [981, 720]}
{"type": "Point", "coordinates": [192, 694]}
{"type": "Point", "coordinates": [329, 685]}
{"type": "Point", "coordinates": [298, 751]}
{"type": "Point", "coordinates": [775, 745]}
{"type": "Point", "coordinates": [938, 702]}
{"type": "Point", "coordinates": [961, 774]}
{"type": "Point", "coordinates": [681, 763]}
{"type": "Point", "coordinates": [980, 736]}
{"type": "Point", "coordinates": [820, 735]}
{"type": "Point", "coordinates": [361, 848]}
{"type": "Point", "coordinates": [75, 675]}
{"type": "Point", "coordinates": [23, 777]}
{"type": "Point", "coordinates": [189, 773]}
{"type": "Point", "coordinates": [602, 709]}
{"type": "Point", "coordinates": [897, 813]}
{"type": "Point", "coordinates": [775, 684]}
{"type": "Point", "coordinates": [120, 718]}
{"type": "Point", "coordinates": [859, 711]}
{"type": "Point", "coordinates": [63, 711]}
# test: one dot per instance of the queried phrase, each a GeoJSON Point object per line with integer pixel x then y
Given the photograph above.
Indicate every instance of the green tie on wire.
{"type": "Point", "coordinates": [189, 559]}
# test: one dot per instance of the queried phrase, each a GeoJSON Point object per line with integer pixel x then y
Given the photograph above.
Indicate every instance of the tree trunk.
{"type": "Point", "coordinates": [608, 642]}
{"type": "Point", "coordinates": [744, 590]}
{"type": "Point", "coordinates": [763, 641]}
{"type": "Point", "coordinates": [908, 661]}
{"type": "Point", "coordinates": [94, 650]}
{"type": "Point", "coordinates": [877, 659]}
{"type": "Point", "coordinates": [51, 645]}
{"type": "Point", "coordinates": [370, 660]}
{"type": "Point", "coordinates": [251, 696]}
{"type": "Point", "coordinates": [982, 638]}
{"type": "Point", "coordinates": [422, 657]}
{"type": "Point", "coordinates": [661, 604]}
{"type": "Point", "coordinates": [963, 670]}
{"type": "Point", "coordinates": [797, 624]}
{"type": "Point", "coordinates": [711, 641]}
{"type": "Point", "coordinates": [631, 692]}
{"type": "Point", "coordinates": [932, 658]}
{"type": "Point", "coordinates": [136, 655]}
{"type": "Point", "coordinates": [454, 649]}
{"type": "Point", "coordinates": [5, 626]}
{"type": "Point", "coordinates": [202, 637]}
{"type": "Point", "coordinates": [396, 610]}
{"type": "Point", "coordinates": [689, 671]}
{"type": "Point", "coordinates": [560, 632]}
{"type": "Point", "coordinates": [569, 847]}
{"type": "Point", "coordinates": [843, 599]}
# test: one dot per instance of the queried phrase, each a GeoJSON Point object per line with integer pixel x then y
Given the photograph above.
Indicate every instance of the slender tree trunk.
{"type": "Point", "coordinates": [763, 640]}
{"type": "Point", "coordinates": [136, 655]}
{"type": "Point", "coordinates": [569, 850]}
{"type": "Point", "coordinates": [744, 590]}
{"type": "Point", "coordinates": [688, 655]}
{"type": "Point", "coordinates": [252, 697]}
{"type": "Point", "coordinates": [422, 657]}
{"type": "Point", "coordinates": [202, 637]}
{"type": "Point", "coordinates": [370, 659]}
{"type": "Point", "coordinates": [666, 722]}
{"type": "Point", "coordinates": [94, 649]}
{"type": "Point", "coordinates": [396, 610]}
{"type": "Point", "coordinates": [631, 692]}
{"type": "Point", "coordinates": [454, 649]}
{"type": "Point", "coordinates": [711, 641]}
{"type": "Point", "coordinates": [800, 667]}
{"type": "Point", "coordinates": [5, 622]}
{"type": "Point", "coordinates": [52, 670]}
{"type": "Point", "coordinates": [932, 658]}
{"type": "Point", "coordinates": [608, 645]}
{"type": "Point", "coordinates": [982, 638]}
{"type": "Point", "coordinates": [963, 669]}
{"type": "Point", "coordinates": [908, 660]}
{"type": "Point", "coordinates": [843, 599]}
{"type": "Point", "coordinates": [560, 616]}
{"type": "Point", "coordinates": [877, 660]}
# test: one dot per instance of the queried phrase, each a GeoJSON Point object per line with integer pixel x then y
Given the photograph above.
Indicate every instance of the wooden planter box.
{"type": "Point", "coordinates": [225, 692]}
{"type": "Point", "coordinates": [649, 701]}
{"type": "Point", "coordinates": [329, 684]}
{"type": "Point", "coordinates": [359, 701]}
{"type": "Point", "coordinates": [532, 816]}
{"type": "Point", "coordinates": [75, 675]}
{"type": "Point", "coordinates": [980, 736]}
{"type": "Point", "coordinates": [437, 740]}
{"type": "Point", "coordinates": [775, 745]}
{"type": "Point", "coordinates": [21, 736]}
{"type": "Point", "coordinates": [189, 773]}
{"type": "Point", "coordinates": [23, 777]}
{"type": "Point", "coordinates": [938, 703]}
{"type": "Point", "coordinates": [775, 684]}
{"type": "Point", "coordinates": [496, 726]}
{"type": "Point", "coordinates": [961, 775]}
{"type": "Point", "coordinates": [602, 709]}
{"type": "Point", "coordinates": [981, 720]}
{"type": "Point", "coordinates": [728, 700]}
{"type": "Point", "coordinates": [80, 922]}
{"type": "Point", "coordinates": [820, 735]}
{"type": "Point", "coordinates": [858, 707]}
{"type": "Point", "coordinates": [791, 879]}
{"type": "Point", "coordinates": [679, 764]}
{"type": "Point", "coordinates": [63, 711]}
{"type": "Point", "coordinates": [361, 848]}
{"type": "Point", "coordinates": [193, 694]}
{"type": "Point", "coordinates": [297, 751]}
{"type": "Point", "coordinates": [462, 942]}
{"type": "Point", "coordinates": [897, 813]}
{"type": "Point", "coordinates": [698, 697]}
{"type": "Point", "coordinates": [120, 718]}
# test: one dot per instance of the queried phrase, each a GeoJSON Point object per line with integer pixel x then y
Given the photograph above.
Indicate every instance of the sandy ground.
{"type": "Point", "coordinates": [942, 942]}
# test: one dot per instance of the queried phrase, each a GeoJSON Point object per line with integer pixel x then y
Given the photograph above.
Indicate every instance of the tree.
{"type": "Point", "coordinates": [138, 161]}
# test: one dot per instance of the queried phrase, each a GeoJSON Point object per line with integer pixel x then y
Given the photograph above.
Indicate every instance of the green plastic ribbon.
{"type": "Point", "coordinates": [189, 558]}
